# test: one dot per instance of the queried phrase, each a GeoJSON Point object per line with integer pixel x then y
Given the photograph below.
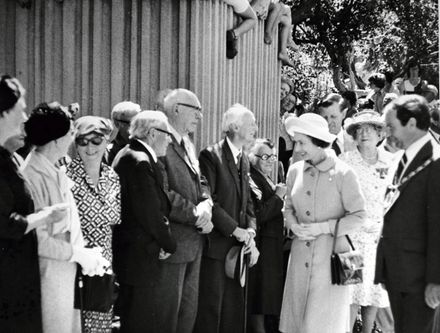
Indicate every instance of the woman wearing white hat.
{"type": "Point", "coordinates": [371, 164]}
{"type": "Point", "coordinates": [321, 190]}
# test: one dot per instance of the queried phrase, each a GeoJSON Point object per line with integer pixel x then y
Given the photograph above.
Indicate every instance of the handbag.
{"type": "Point", "coordinates": [346, 268]}
{"type": "Point", "coordinates": [94, 293]}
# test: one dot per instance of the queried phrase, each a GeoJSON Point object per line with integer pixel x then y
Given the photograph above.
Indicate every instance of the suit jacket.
{"type": "Point", "coordinates": [144, 229]}
{"type": "Point", "coordinates": [230, 192]}
{"type": "Point", "coordinates": [185, 190]}
{"type": "Point", "coordinates": [408, 254]}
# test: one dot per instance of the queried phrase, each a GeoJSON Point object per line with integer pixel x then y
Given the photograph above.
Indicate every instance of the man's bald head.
{"type": "Point", "coordinates": [183, 109]}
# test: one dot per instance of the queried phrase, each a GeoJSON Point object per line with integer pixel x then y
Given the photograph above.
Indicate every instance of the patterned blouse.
{"type": "Point", "coordinates": [99, 207]}
{"type": "Point", "coordinates": [373, 180]}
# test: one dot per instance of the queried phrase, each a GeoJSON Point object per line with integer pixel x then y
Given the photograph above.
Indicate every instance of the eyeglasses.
{"type": "Point", "coordinates": [365, 129]}
{"type": "Point", "coordinates": [163, 131]}
{"type": "Point", "coordinates": [266, 157]}
{"type": "Point", "coordinates": [96, 141]}
{"type": "Point", "coordinates": [195, 107]}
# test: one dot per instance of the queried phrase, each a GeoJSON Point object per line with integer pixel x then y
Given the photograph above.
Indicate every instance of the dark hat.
{"type": "Point", "coordinates": [47, 122]}
{"type": "Point", "coordinates": [10, 92]}
{"type": "Point", "coordinates": [235, 265]}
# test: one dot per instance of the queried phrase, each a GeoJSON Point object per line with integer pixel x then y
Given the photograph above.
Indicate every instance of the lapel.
{"type": "Point", "coordinates": [260, 180]}
{"type": "Point", "coordinates": [424, 154]}
{"type": "Point", "coordinates": [227, 154]}
{"type": "Point", "coordinates": [181, 153]}
{"type": "Point", "coordinates": [244, 174]}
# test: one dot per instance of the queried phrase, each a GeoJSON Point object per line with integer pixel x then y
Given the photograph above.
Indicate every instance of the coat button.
{"type": "Point", "coordinates": [307, 243]}
{"type": "Point", "coordinates": [309, 193]}
{"type": "Point", "coordinates": [307, 264]}
{"type": "Point", "coordinates": [307, 213]}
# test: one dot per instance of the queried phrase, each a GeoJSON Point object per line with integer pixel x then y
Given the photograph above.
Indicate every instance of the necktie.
{"type": "Point", "coordinates": [239, 161]}
{"type": "Point", "coordinates": [400, 168]}
{"type": "Point", "coordinates": [336, 148]}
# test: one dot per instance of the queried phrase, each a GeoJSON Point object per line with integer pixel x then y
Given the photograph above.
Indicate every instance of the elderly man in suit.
{"type": "Point", "coordinates": [143, 238]}
{"type": "Point", "coordinates": [408, 255]}
{"type": "Point", "coordinates": [190, 217]}
{"type": "Point", "coordinates": [226, 168]}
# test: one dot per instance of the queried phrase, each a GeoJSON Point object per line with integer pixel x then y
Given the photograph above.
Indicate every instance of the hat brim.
{"type": "Point", "coordinates": [297, 125]}
{"type": "Point", "coordinates": [351, 129]}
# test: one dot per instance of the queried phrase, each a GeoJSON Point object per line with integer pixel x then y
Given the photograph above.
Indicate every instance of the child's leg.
{"type": "Point", "coordinates": [272, 22]}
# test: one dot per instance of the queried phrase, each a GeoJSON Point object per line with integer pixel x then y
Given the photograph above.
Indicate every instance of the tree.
{"type": "Point", "coordinates": [388, 32]}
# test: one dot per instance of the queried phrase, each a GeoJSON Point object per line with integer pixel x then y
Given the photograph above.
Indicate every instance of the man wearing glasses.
{"type": "Point", "coordinates": [190, 217]}
{"type": "Point", "coordinates": [143, 238]}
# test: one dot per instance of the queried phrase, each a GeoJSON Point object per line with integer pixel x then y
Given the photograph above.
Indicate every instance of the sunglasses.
{"type": "Point", "coordinates": [198, 108]}
{"type": "Point", "coordinates": [266, 157]}
{"type": "Point", "coordinates": [96, 141]}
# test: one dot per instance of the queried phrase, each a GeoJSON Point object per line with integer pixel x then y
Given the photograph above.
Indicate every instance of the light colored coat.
{"type": "Point", "coordinates": [323, 193]}
{"type": "Point", "coordinates": [50, 185]}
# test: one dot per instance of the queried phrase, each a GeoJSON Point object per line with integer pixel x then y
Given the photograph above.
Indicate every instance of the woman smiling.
{"type": "Point", "coordinates": [96, 191]}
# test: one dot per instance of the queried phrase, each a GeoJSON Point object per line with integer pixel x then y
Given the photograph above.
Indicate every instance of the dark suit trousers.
{"type": "Point", "coordinates": [221, 300]}
{"type": "Point", "coordinates": [138, 309]}
{"type": "Point", "coordinates": [178, 288]}
{"type": "Point", "coordinates": [410, 312]}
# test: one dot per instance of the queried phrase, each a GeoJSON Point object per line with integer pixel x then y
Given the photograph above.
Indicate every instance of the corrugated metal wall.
{"type": "Point", "coordinates": [100, 52]}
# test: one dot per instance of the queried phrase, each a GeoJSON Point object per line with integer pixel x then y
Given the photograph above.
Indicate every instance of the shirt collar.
{"type": "Point", "coordinates": [414, 148]}
{"type": "Point", "coordinates": [150, 150]}
{"type": "Point", "coordinates": [234, 150]}
{"type": "Point", "coordinates": [328, 163]}
{"type": "Point", "coordinates": [176, 135]}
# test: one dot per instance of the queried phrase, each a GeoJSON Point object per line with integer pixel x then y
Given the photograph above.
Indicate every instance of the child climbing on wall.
{"type": "Point", "coordinates": [244, 10]}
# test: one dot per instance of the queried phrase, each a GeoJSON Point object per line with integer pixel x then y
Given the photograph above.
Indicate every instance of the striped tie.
{"type": "Point", "coordinates": [400, 168]}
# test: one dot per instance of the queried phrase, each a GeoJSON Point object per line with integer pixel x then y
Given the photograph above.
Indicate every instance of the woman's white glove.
{"type": "Point", "coordinates": [91, 260]}
{"type": "Point", "coordinates": [309, 231]}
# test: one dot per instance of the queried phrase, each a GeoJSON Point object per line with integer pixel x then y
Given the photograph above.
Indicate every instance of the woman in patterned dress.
{"type": "Point", "coordinates": [97, 194]}
{"type": "Point", "coordinates": [371, 165]}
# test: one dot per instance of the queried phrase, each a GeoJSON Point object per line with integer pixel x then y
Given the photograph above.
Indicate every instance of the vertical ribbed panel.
{"type": "Point", "coordinates": [100, 52]}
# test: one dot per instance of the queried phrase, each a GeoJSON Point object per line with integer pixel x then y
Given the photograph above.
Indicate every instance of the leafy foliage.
{"type": "Point", "coordinates": [386, 32]}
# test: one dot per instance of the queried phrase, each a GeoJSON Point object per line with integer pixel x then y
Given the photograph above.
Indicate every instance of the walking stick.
{"type": "Point", "coordinates": [246, 269]}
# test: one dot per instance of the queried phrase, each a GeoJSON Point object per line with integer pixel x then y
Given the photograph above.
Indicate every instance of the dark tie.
{"type": "Point", "coordinates": [336, 148]}
{"type": "Point", "coordinates": [239, 162]}
{"type": "Point", "coordinates": [400, 168]}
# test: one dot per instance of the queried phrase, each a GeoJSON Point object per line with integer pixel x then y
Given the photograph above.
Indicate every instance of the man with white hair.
{"type": "Point", "coordinates": [143, 238]}
{"type": "Point", "coordinates": [226, 168]}
{"type": "Point", "coordinates": [190, 217]}
{"type": "Point", "coordinates": [122, 113]}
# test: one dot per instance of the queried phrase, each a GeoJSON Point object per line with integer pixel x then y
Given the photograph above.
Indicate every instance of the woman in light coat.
{"type": "Point", "coordinates": [61, 245]}
{"type": "Point", "coordinates": [321, 190]}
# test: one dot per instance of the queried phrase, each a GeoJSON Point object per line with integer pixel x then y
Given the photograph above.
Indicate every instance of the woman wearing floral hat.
{"type": "Point", "coordinates": [321, 191]}
{"type": "Point", "coordinates": [371, 165]}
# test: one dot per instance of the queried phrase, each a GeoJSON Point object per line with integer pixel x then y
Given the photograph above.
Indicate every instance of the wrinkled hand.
{"type": "Point", "coordinates": [242, 235]}
{"type": "Point", "coordinates": [205, 228]}
{"type": "Point", "coordinates": [280, 190]}
{"type": "Point", "coordinates": [163, 255]}
{"type": "Point", "coordinates": [432, 295]}
{"type": "Point", "coordinates": [203, 213]}
{"type": "Point", "coordinates": [255, 254]}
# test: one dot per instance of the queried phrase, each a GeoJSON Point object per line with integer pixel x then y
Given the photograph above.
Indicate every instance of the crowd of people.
{"type": "Point", "coordinates": [198, 243]}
